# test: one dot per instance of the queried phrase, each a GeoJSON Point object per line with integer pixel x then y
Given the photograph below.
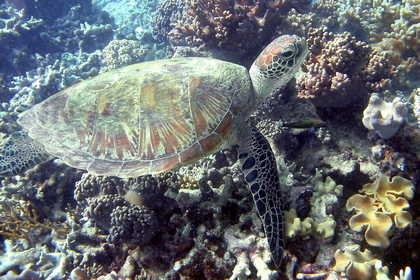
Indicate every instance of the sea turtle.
{"type": "Point", "coordinates": [155, 116]}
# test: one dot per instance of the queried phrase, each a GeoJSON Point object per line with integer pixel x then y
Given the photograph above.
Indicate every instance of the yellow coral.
{"type": "Point", "coordinates": [393, 196]}
{"type": "Point", "coordinates": [368, 216]}
{"type": "Point", "coordinates": [327, 227]}
{"type": "Point", "coordinates": [356, 264]}
{"type": "Point", "coordinates": [294, 226]}
{"type": "Point", "coordinates": [384, 203]}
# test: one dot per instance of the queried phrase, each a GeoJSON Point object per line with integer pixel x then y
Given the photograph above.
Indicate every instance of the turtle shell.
{"type": "Point", "coordinates": [144, 118]}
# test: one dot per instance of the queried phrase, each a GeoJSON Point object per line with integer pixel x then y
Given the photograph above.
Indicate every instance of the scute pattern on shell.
{"type": "Point", "coordinates": [143, 118]}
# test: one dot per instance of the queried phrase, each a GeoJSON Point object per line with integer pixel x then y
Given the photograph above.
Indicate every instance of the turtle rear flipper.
{"type": "Point", "coordinates": [19, 152]}
{"type": "Point", "coordinates": [260, 171]}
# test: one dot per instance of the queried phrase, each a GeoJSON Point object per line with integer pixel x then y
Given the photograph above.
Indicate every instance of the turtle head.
{"type": "Point", "coordinates": [277, 64]}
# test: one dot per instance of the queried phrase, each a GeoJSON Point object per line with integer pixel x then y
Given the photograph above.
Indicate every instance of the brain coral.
{"type": "Point", "coordinates": [384, 204]}
{"type": "Point", "coordinates": [341, 69]}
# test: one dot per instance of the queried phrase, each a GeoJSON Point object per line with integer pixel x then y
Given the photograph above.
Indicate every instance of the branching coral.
{"type": "Point", "coordinates": [227, 25]}
{"type": "Point", "coordinates": [167, 13]}
{"type": "Point", "coordinates": [46, 265]}
{"type": "Point", "coordinates": [384, 204]}
{"type": "Point", "coordinates": [394, 27]}
{"type": "Point", "coordinates": [18, 220]}
{"type": "Point", "coordinates": [391, 27]}
{"type": "Point", "coordinates": [341, 69]}
{"type": "Point", "coordinates": [12, 21]}
{"type": "Point", "coordinates": [50, 76]}
{"type": "Point", "coordinates": [130, 16]}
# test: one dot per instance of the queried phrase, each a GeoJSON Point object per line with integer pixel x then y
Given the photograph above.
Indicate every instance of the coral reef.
{"type": "Point", "coordinates": [25, 32]}
{"type": "Point", "coordinates": [355, 263]}
{"type": "Point", "coordinates": [378, 224]}
{"type": "Point", "coordinates": [325, 196]}
{"type": "Point", "coordinates": [382, 272]}
{"type": "Point", "coordinates": [390, 27]}
{"type": "Point", "coordinates": [197, 222]}
{"type": "Point", "coordinates": [393, 195]}
{"type": "Point", "coordinates": [49, 77]}
{"type": "Point", "coordinates": [45, 263]}
{"type": "Point", "coordinates": [14, 58]}
{"type": "Point", "coordinates": [394, 30]}
{"type": "Point", "coordinates": [233, 26]}
{"type": "Point", "coordinates": [133, 18]}
{"type": "Point", "coordinates": [167, 13]}
{"type": "Point", "coordinates": [416, 108]}
{"type": "Point", "coordinates": [294, 226]}
{"type": "Point", "coordinates": [383, 205]}
{"type": "Point", "coordinates": [383, 117]}
{"type": "Point", "coordinates": [120, 53]}
{"type": "Point", "coordinates": [18, 221]}
{"type": "Point", "coordinates": [341, 70]}
{"type": "Point", "coordinates": [137, 224]}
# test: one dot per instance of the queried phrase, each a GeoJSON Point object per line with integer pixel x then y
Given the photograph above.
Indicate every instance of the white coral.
{"type": "Point", "coordinates": [384, 117]}
{"type": "Point", "coordinates": [382, 272]}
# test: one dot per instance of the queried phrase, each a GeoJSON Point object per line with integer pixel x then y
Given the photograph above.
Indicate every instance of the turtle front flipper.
{"type": "Point", "coordinates": [260, 172]}
{"type": "Point", "coordinates": [19, 152]}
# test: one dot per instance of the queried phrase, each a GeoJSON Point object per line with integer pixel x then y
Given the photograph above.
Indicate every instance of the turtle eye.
{"type": "Point", "coordinates": [287, 54]}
